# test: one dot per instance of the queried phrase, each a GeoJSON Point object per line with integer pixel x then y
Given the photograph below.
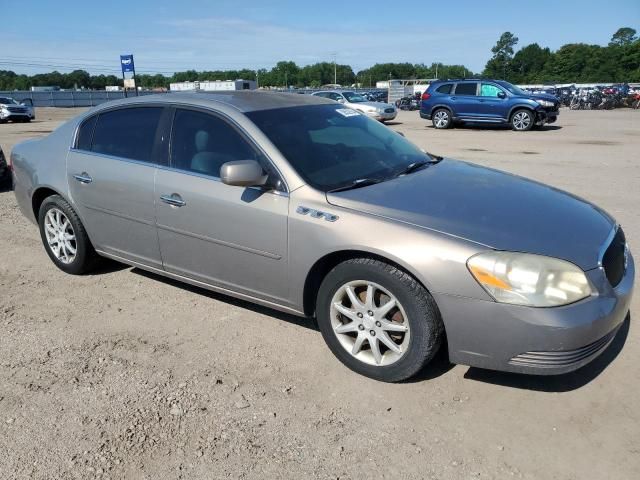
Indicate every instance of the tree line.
{"type": "Point", "coordinates": [619, 61]}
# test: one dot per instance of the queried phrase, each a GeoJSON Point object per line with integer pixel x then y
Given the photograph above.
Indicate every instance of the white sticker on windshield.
{"type": "Point", "coordinates": [347, 112]}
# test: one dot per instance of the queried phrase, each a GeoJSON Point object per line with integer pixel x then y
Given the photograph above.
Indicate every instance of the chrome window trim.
{"type": "Point", "coordinates": [215, 179]}
{"type": "Point", "coordinates": [171, 169]}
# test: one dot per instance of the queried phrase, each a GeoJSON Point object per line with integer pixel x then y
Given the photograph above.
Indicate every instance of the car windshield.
{"type": "Point", "coordinates": [7, 101]}
{"type": "Point", "coordinates": [353, 97]}
{"type": "Point", "coordinates": [512, 88]}
{"type": "Point", "coordinates": [331, 146]}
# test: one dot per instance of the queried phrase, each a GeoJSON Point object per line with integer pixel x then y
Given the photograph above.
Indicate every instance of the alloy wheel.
{"type": "Point", "coordinates": [60, 235]}
{"type": "Point", "coordinates": [441, 118]}
{"type": "Point", "coordinates": [370, 323]}
{"type": "Point", "coordinates": [521, 120]}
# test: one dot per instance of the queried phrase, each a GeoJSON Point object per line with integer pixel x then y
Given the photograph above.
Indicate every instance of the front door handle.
{"type": "Point", "coordinates": [173, 199]}
{"type": "Point", "coordinates": [83, 177]}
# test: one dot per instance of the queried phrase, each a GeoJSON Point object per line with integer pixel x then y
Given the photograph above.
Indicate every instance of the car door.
{"type": "Point", "coordinates": [491, 102]}
{"type": "Point", "coordinates": [464, 99]}
{"type": "Point", "coordinates": [110, 171]}
{"type": "Point", "coordinates": [228, 236]}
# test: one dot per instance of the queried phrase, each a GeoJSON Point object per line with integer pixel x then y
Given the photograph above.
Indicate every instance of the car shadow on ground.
{"type": "Point", "coordinates": [300, 321]}
{"type": "Point", "coordinates": [556, 383]}
{"type": "Point", "coordinates": [476, 126]}
{"type": "Point", "coordinates": [391, 123]}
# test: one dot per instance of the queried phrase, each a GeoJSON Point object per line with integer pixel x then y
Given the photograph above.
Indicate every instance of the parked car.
{"type": "Point", "coordinates": [4, 169]}
{"type": "Point", "coordinates": [12, 110]}
{"type": "Point", "coordinates": [380, 111]}
{"type": "Point", "coordinates": [447, 102]}
{"type": "Point", "coordinates": [299, 204]}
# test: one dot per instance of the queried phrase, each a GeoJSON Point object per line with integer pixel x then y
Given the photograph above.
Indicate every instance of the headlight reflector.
{"type": "Point", "coordinates": [527, 279]}
{"type": "Point", "coordinates": [545, 103]}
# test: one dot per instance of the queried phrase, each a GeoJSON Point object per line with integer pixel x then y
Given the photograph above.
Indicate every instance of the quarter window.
{"type": "Point", "coordinates": [466, 88]}
{"type": "Point", "coordinates": [489, 90]}
{"type": "Point", "coordinates": [202, 142]}
{"type": "Point", "coordinates": [127, 133]}
{"type": "Point", "coordinates": [446, 88]}
{"type": "Point", "coordinates": [85, 132]}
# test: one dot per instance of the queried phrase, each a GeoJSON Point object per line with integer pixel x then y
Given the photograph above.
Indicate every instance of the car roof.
{"type": "Point", "coordinates": [242, 100]}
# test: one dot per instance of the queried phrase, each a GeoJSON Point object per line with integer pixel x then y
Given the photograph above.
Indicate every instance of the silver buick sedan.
{"type": "Point", "coordinates": [307, 206]}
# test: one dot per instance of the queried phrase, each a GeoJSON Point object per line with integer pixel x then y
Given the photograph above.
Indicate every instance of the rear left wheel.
{"type": "Point", "coordinates": [378, 320]}
{"type": "Point", "coordinates": [64, 237]}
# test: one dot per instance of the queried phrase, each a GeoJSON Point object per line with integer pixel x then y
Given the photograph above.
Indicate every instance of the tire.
{"type": "Point", "coordinates": [415, 346]}
{"type": "Point", "coordinates": [85, 258]}
{"type": "Point", "coordinates": [522, 120]}
{"type": "Point", "coordinates": [441, 119]}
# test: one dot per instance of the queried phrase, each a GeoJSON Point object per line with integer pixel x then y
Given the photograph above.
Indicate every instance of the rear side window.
{"type": "Point", "coordinates": [127, 133]}
{"type": "Point", "coordinates": [85, 132]}
{"type": "Point", "coordinates": [202, 142]}
{"type": "Point", "coordinates": [466, 88]}
{"type": "Point", "coordinates": [446, 88]}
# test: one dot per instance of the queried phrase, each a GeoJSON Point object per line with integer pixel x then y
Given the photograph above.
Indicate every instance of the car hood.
{"type": "Point", "coordinates": [489, 207]}
{"type": "Point", "coordinates": [543, 96]}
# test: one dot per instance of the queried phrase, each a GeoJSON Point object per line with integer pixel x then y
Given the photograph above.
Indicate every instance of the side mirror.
{"type": "Point", "coordinates": [340, 100]}
{"type": "Point", "coordinates": [502, 95]}
{"type": "Point", "coordinates": [242, 173]}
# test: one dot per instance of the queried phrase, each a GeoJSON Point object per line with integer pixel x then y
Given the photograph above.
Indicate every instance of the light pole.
{"type": "Point", "coordinates": [335, 69]}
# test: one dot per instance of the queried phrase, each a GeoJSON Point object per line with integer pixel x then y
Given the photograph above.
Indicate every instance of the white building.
{"type": "Point", "coordinates": [213, 85]}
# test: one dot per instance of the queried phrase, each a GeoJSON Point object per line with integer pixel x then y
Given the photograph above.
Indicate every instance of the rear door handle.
{"type": "Point", "coordinates": [173, 199]}
{"type": "Point", "coordinates": [83, 177]}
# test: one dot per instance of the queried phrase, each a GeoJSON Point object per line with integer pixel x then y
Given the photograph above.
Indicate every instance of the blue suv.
{"type": "Point", "coordinates": [446, 102]}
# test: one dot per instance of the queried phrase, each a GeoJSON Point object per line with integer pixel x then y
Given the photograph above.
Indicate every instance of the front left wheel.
{"type": "Point", "coordinates": [64, 237]}
{"type": "Point", "coordinates": [378, 320]}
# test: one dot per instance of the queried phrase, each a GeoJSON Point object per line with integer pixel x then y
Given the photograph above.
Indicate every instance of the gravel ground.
{"type": "Point", "coordinates": [123, 374]}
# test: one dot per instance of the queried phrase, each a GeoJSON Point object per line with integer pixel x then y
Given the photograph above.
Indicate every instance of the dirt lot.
{"type": "Point", "coordinates": [123, 374]}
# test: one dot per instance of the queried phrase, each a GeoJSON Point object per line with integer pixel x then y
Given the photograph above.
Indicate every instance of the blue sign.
{"type": "Point", "coordinates": [126, 62]}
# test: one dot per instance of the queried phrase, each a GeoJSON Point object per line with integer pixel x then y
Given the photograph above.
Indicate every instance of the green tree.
{"type": "Point", "coordinates": [528, 63]}
{"type": "Point", "coordinates": [499, 65]}
{"type": "Point", "coordinates": [623, 36]}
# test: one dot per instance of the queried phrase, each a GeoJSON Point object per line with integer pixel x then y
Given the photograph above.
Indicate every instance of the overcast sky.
{"type": "Point", "coordinates": [167, 36]}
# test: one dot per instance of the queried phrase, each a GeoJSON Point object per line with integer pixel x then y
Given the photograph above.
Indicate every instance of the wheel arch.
{"type": "Point", "coordinates": [524, 106]}
{"type": "Point", "coordinates": [39, 195]}
{"type": "Point", "coordinates": [323, 266]}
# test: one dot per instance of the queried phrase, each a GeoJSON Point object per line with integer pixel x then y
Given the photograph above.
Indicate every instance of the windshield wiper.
{"type": "Point", "coordinates": [412, 167]}
{"type": "Point", "coordinates": [358, 183]}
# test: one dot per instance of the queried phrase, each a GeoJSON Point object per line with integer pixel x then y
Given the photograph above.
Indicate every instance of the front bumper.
{"type": "Point", "coordinates": [541, 341]}
{"type": "Point", "coordinates": [383, 116]}
{"type": "Point", "coordinates": [546, 116]}
{"type": "Point", "coordinates": [12, 116]}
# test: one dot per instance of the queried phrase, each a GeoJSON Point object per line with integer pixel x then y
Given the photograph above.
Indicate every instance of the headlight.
{"type": "Point", "coordinates": [527, 279]}
{"type": "Point", "coordinates": [545, 103]}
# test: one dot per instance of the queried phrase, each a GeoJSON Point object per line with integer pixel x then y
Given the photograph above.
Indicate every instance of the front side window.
{"type": "Point", "coordinates": [202, 142]}
{"type": "Point", "coordinates": [127, 133]}
{"type": "Point", "coordinates": [466, 88]}
{"type": "Point", "coordinates": [331, 146]}
{"type": "Point", "coordinates": [489, 90]}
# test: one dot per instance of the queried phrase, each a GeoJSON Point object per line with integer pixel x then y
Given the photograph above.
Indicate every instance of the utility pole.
{"type": "Point", "coordinates": [436, 70]}
{"type": "Point", "coordinates": [335, 69]}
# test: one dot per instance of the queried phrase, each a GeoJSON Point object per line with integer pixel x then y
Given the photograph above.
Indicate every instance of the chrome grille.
{"type": "Point", "coordinates": [17, 109]}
